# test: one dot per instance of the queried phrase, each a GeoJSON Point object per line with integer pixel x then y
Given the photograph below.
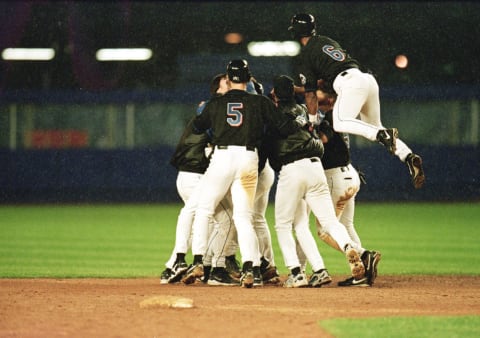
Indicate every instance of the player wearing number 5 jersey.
{"type": "Point", "coordinates": [323, 59]}
{"type": "Point", "coordinates": [237, 122]}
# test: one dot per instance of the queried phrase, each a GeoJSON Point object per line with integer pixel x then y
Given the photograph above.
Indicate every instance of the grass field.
{"type": "Point", "coordinates": [118, 241]}
{"type": "Point", "coordinates": [136, 240]}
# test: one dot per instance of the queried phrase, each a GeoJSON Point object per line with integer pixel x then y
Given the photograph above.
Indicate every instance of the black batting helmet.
{"type": "Point", "coordinates": [237, 71]}
{"type": "Point", "coordinates": [302, 25]}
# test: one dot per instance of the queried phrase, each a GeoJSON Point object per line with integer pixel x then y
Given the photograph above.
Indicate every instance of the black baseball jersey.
{"type": "Point", "coordinates": [296, 146]}
{"type": "Point", "coordinates": [321, 58]}
{"type": "Point", "coordinates": [190, 151]}
{"type": "Point", "coordinates": [336, 150]}
{"type": "Point", "coordinates": [239, 118]}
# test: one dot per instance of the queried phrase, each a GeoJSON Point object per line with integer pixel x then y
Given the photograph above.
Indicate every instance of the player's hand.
{"type": "Point", "coordinates": [323, 137]}
{"type": "Point", "coordinates": [326, 130]}
{"type": "Point", "coordinates": [301, 120]}
{"type": "Point", "coordinates": [208, 150]}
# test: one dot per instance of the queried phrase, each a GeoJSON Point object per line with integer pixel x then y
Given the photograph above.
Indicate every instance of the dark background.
{"type": "Point", "coordinates": [434, 102]}
{"type": "Point", "coordinates": [441, 39]}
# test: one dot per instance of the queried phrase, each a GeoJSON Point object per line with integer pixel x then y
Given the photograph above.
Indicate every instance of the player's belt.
{"type": "Point", "coordinates": [337, 169]}
{"type": "Point", "coordinates": [311, 159]}
{"type": "Point", "coordinates": [249, 148]}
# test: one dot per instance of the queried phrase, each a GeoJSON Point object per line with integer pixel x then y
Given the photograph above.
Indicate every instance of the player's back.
{"type": "Point", "coordinates": [237, 118]}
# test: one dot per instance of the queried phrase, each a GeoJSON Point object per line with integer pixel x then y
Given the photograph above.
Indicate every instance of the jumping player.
{"type": "Point", "coordinates": [323, 59]}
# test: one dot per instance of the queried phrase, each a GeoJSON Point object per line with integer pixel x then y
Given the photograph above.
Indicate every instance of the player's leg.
{"type": "Point", "coordinates": [187, 187]}
{"type": "Point", "coordinates": [265, 182]}
{"type": "Point", "coordinates": [352, 91]}
{"type": "Point", "coordinates": [213, 186]}
{"type": "Point", "coordinates": [267, 265]}
{"type": "Point", "coordinates": [344, 184]}
{"type": "Point", "coordinates": [309, 247]}
{"type": "Point", "coordinates": [244, 164]}
{"type": "Point", "coordinates": [371, 114]}
{"type": "Point", "coordinates": [225, 230]}
{"type": "Point", "coordinates": [306, 239]}
{"type": "Point", "coordinates": [208, 257]}
{"type": "Point", "coordinates": [319, 199]}
{"type": "Point", "coordinates": [288, 199]}
{"type": "Point", "coordinates": [231, 246]}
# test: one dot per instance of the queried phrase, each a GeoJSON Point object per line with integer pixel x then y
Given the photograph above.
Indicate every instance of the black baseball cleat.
{"type": "Point", "coordinates": [221, 277]}
{"type": "Point", "coordinates": [166, 275]}
{"type": "Point", "coordinates": [370, 260]}
{"type": "Point", "coordinates": [206, 273]}
{"type": "Point", "coordinates": [415, 167]}
{"type": "Point", "coordinates": [233, 266]}
{"type": "Point", "coordinates": [363, 282]}
{"type": "Point", "coordinates": [179, 269]}
{"type": "Point", "coordinates": [257, 276]}
{"type": "Point", "coordinates": [388, 138]}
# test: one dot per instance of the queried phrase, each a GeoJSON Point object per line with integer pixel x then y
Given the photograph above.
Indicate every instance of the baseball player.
{"type": "Point", "coordinates": [344, 184]}
{"type": "Point", "coordinates": [191, 161]}
{"type": "Point", "coordinates": [301, 185]}
{"type": "Point", "coordinates": [223, 239]}
{"type": "Point", "coordinates": [323, 59]}
{"type": "Point", "coordinates": [237, 120]}
{"type": "Point", "coordinates": [266, 177]}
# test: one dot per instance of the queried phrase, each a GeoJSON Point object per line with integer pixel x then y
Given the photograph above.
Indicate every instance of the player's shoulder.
{"type": "Point", "coordinates": [264, 100]}
{"type": "Point", "coordinates": [321, 40]}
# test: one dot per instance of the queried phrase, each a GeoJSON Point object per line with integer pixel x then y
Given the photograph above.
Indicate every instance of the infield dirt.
{"type": "Point", "coordinates": [111, 307]}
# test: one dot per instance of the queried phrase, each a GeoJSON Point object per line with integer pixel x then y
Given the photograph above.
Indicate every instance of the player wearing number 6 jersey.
{"type": "Point", "coordinates": [323, 59]}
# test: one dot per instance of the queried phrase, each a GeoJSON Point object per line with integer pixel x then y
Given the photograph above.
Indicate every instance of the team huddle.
{"type": "Point", "coordinates": [231, 150]}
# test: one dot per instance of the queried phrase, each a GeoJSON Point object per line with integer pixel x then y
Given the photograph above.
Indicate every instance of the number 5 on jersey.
{"type": "Point", "coordinates": [235, 117]}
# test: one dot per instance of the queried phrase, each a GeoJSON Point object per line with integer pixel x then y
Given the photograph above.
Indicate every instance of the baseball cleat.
{"type": "Point", "coordinates": [388, 138]}
{"type": "Point", "coordinates": [193, 272]}
{"type": "Point", "coordinates": [354, 282]}
{"type": "Point", "coordinates": [233, 266]}
{"type": "Point", "coordinates": [356, 265]}
{"type": "Point", "coordinates": [319, 278]}
{"type": "Point", "coordinates": [221, 277]}
{"type": "Point", "coordinates": [206, 273]}
{"type": "Point", "coordinates": [297, 281]}
{"type": "Point", "coordinates": [370, 260]}
{"type": "Point", "coordinates": [165, 276]}
{"type": "Point", "coordinates": [415, 167]}
{"type": "Point", "coordinates": [179, 270]}
{"type": "Point", "coordinates": [269, 273]}
{"type": "Point", "coordinates": [257, 276]}
{"type": "Point", "coordinates": [247, 279]}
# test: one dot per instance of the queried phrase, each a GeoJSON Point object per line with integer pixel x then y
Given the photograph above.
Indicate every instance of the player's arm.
{"type": "Point", "coordinates": [201, 122]}
{"type": "Point", "coordinates": [280, 121]}
{"type": "Point", "coordinates": [311, 102]}
{"type": "Point", "coordinates": [299, 90]}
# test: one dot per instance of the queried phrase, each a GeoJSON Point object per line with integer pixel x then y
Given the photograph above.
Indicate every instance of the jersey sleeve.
{"type": "Point", "coordinates": [280, 122]}
{"type": "Point", "coordinates": [201, 122]}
